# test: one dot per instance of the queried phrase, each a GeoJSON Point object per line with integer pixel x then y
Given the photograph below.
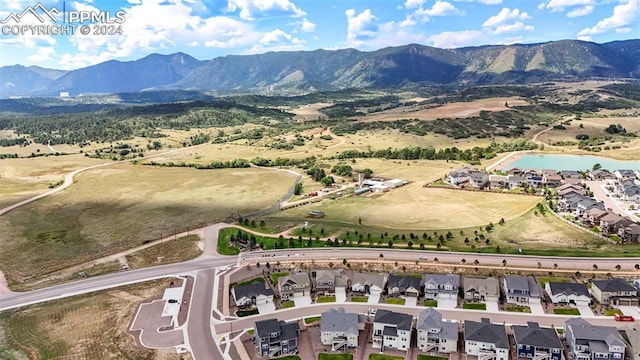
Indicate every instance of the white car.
{"type": "Point", "coordinates": [423, 258]}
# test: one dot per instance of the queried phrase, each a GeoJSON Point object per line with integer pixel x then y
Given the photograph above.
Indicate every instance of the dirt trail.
{"type": "Point", "coordinates": [4, 289]}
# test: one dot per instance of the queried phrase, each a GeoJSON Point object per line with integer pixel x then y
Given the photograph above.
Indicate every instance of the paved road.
{"type": "Point", "coordinates": [547, 262]}
{"type": "Point", "coordinates": [209, 259]}
{"type": "Point", "coordinates": [199, 322]}
{"type": "Point", "coordinates": [600, 194]}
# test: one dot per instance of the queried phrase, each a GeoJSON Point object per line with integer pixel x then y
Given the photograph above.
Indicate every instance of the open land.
{"type": "Point", "coordinates": [91, 326]}
{"type": "Point", "coordinates": [122, 206]}
{"type": "Point", "coordinates": [449, 110]}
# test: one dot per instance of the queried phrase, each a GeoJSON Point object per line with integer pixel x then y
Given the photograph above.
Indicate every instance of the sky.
{"type": "Point", "coordinates": [206, 29]}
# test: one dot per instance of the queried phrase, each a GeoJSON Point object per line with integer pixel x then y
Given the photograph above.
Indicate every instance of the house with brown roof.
{"type": "Point", "coordinates": [611, 223]}
{"type": "Point", "coordinates": [295, 284]}
{"type": "Point", "coordinates": [630, 234]}
{"type": "Point", "coordinates": [593, 216]}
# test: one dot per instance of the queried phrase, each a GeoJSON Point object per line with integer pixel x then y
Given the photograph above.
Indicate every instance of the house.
{"type": "Point", "coordinates": [486, 340]}
{"type": "Point", "coordinates": [636, 284]}
{"type": "Point", "coordinates": [275, 338]}
{"type": "Point", "coordinates": [521, 290]}
{"type": "Point", "coordinates": [570, 174]}
{"type": "Point", "coordinates": [568, 293]}
{"type": "Point", "coordinates": [630, 234]}
{"type": "Point", "coordinates": [481, 289]}
{"type": "Point", "coordinates": [615, 292]}
{"type": "Point", "coordinates": [611, 223]}
{"type": "Point", "coordinates": [404, 285]}
{"type": "Point", "coordinates": [441, 286]}
{"type": "Point", "coordinates": [328, 280]}
{"type": "Point", "coordinates": [498, 181]}
{"type": "Point", "coordinates": [394, 183]}
{"type": "Point", "coordinates": [631, 336]}
{"type": "Point", "coordinates": [368, 283]}
{"type": "Point", "coordinates": [392, 330]}
{"type": "Point", "coordinates": [624, 174]}
{"type": "Point", "coordinates": [601, 174]}
{"type": "Point", "coordinates": [551, 179]}
{"type": "Point", "coordinates": [534, 342]}
{"type": "Point", "coordinates": [515, 181]}
{"type": "Point", "coordinates": [340, 329]}
{"type": "Point", "coordinates": [295, 284]}
{"type": "Point", "coordinates": [533, 177]}
{"type": "Point", "coordinates": [316, 214]}
{"type": "Point", "coordinates": [593, 216]}
{"type": "Point", "coordinates": [460, 176]}
{"type": "Point", "coordinates": [515, 171]}
{"type": "Point", "coordinates": [434, 334]}
{"type": "Point", "coordinates": [589, 342]}
{"type": "Point", "coordinates": [567, 189]}
{"type": "Point", "coordinates": [569, 202]}
{"type": "Point", "coordinates": [252, 294]}
{"type": "Point", "coordinates": [479, 179]}
{"type": "Point", "coordinates": [586, 204]}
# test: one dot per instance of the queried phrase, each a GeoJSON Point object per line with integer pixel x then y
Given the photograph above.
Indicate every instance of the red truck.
{"type": "Point", "coordinates": [619, 317]}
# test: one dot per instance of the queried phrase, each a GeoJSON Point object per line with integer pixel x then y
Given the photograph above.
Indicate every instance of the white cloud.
{"type": "Point", "coordinates": [308, 26]}
{"type": "Point", "coordinates": [43, 54]}
{"type": "Point", "coordinates": [408, 21]}
{"type": "Point", "coordinates": [251, 9]}
{"type": "Point", "coordinates": [455, 39]}
{"type": "Point", "coordinates": [623, 15]}
{"type": "Point", "coordinates": [485, 2]}
{"type": "Point", "coordinates": [517, 26]}
{"type": "Point", "coordinates": [440, 8]}
{"type": "Point", "coordinates": [504, 16]}
{"type": "Point", "coordinates": [581, 11]}
{"type": "Point", "coordinates": [276, 40]}
{"type": "Point", "coordinates": [278, 36]}
{"type": "Point", "coordinates": [360, 27]}
{"type": "Point", "coordinates": [623, 30]}
{"type": "Point", "coordinates": [412, 4]}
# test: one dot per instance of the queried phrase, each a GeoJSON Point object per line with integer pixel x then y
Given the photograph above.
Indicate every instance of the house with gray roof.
{"type": "Point", "coordinates": [615, 292]}
{"type": "Point", "coordinates": [296, 284]}
{"type": "Point", "coordinates": [275, 338]}
{"type": "Point", "coordinates": [403, 285]}
{"type": "Point", "coordinates": [392, 330]}
{"type": "Point", "coordinates": [630, 234]}
{"type": "Point", "coordinates": [460, 176]}
{"type": "Point", "coordinates": [624, 174]}
{"type": "Point", "coordinates": [340, 329]}
{"type": "Point", "coordinates": [441, 286]}
{"type": "Point", "coordinates": [368, 283]}
{"type": "Point", "coordinates": [486, 340]}
{"type": "Point", "coordinates": [521, 289]}
{"type": "Point", "coordinates": [252, 294]}
{"type": "Point", "coordinates": [328, 280]}
{"type": "Point", "coordinates": [481, 289]}
{"type": "Point", "coordinates": [498, 181]}
{"type": "Point", "coordinates": [631, 336]}
{"type": "Point", "coordinates": [534, 342]}
{"type": "Point", "coordinates": [611, 223]}
{"type": "Point", "coordinates": [589, 342]}
{"type": "Point", "coordinates": [601, 174]}
{"type": "Point", "coordinates": [479, 179]}
{"type": "Point", "coordinates": [435, 334]}
{"type": "Point", "coordinates": [568, 293]}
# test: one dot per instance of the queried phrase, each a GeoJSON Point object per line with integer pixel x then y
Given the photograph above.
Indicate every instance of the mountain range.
{"type": "Point", "coordinates": [307, 71]}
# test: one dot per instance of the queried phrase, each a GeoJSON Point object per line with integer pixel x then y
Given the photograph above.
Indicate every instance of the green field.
{"type": "Point", "coordinates": [544, 280]}
{"type": "Point", "coordinates": [325, 356]}
{"type": "Point", "coordinates": [474, 306]}
{"type": "Point", "coordinates": [431, 303]}
{"type": "Point", "coordinates": [275, 276]}
{"type": "Point", "coordinates": [243, 313]}
{"type": "Point", "coordinates": [287, 304]}
{"type": "Point", "coordinates": [146, 203]}
{"type": "Point", "coordinates": [312, 319]}
{"type": "Point", "coordinates": [566, 311]}
{"type": "Point", "coordinates": [395, 301]}
{"type": "Point", "coordinates": [384, 357]}
{"type": "Point", "coordinates": [612, 312]}
{"type": "Point", "coordinates": [518, 308]}
{"type": "Point", "coordinates": [325, 299]}
{"type": "Point", "coordinates": [430, 357]}
{"type": "Point", "coordinates": [268, 243]}
{"type": "Point", "coordinates": [359, 299]}
{"type": "Point", "coordinates": [251, 281]}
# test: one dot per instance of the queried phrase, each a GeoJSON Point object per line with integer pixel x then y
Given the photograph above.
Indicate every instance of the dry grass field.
{"type": "Point", "coordinates": [449, 110]}
{"type": "Point", "coordinates": [308, 111]}
{"type": "Point", "coordinates": [22, 178]}
{"type": "Point", "coordinates": [91, 326]}
{"type": "Point", "coordinates": [119, 207]}
{"type": "Point", "coordinates": [415, 207]}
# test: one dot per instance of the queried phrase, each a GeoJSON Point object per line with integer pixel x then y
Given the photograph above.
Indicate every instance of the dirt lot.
{"type": "Point", "coordinates": [450, 110]}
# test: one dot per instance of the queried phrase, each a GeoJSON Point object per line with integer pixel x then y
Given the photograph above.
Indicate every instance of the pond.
{"type": "Point", "coordinates": [568, 162]}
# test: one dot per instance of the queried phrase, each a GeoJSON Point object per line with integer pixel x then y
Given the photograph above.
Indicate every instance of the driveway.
{"type": "Point", "coordinates": [536, 308]}
{"type": "Point", "coordinates": [341, 295]}
{"type": "Point", "coordinates": [266, 308]}
{"type": "Point", "coordinates": [446, 303]}
{"type": "Point", "coordinates": [585, 310]}
{"type": "Point", "coordinates": [373, 299]}
{"type": "Point", "coordinates": [410, 301]}
{"type": "Point", "coordinates": [631, 311]}
{"type": "Point", "coordinates": [492, 305]}
{"type": "Point", "coordinates": [302, 301]}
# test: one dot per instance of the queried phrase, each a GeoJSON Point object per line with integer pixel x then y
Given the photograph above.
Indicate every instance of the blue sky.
{"type": "Point", "coordinates": [209, 28]}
